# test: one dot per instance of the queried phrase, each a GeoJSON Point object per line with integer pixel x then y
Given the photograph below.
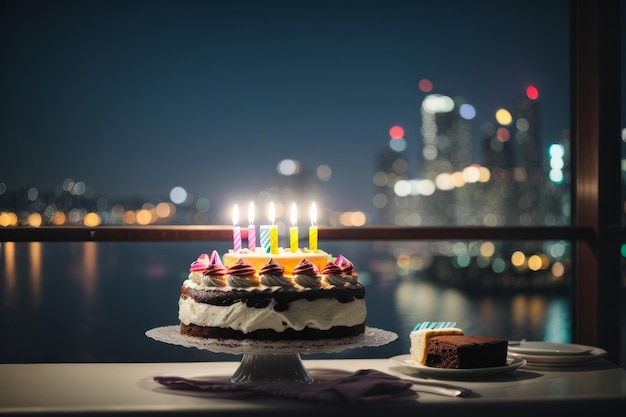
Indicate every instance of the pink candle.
{"type": "Point", "coordinates": [251, 228]}
{"type": "Point", "coordinates": [236, 230]}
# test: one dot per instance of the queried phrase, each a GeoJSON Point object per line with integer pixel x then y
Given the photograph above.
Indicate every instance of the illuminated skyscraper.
{"type": "Point", "coordinates": [446, 150]}
{"type": "Point", "coordinates": [391, 166]}
{"type": "Point", "coordinates": [528, 175]}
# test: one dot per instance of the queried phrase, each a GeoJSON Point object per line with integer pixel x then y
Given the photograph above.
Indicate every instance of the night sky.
{"type": "Point", "coordinates": [141, 96]}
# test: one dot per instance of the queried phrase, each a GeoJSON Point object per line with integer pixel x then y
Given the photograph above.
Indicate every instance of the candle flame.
{"type": "Point", "coordinates": [235, 215]}
{"type": "Point", "coordinates": [294, 215]}
{"type": "Point", "coordinates": [313, 214]}
{"type": "Point", "coordinates": [272, 213]}
{"type": "Point", "coordinates": [251, 213]}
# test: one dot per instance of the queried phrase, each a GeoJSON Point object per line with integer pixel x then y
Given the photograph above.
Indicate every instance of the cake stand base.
{"type": "Point", "coordinates": [271, 362]}
{"type": "Point", "coordinates": [271, 368]}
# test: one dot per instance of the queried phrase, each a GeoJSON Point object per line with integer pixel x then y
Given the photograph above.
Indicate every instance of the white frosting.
{"type": "Point", "coordinates": [319, 314]}
{"type": "Point", "coordinates": [419, 341]}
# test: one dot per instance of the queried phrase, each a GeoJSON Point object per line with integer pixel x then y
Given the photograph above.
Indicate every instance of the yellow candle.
{"type": "Point", "coordinates": [273, 231]}
{"type": "Point", "coordinates": [293, 230]}
{"type": "Point", "coordinates": [313, 229]}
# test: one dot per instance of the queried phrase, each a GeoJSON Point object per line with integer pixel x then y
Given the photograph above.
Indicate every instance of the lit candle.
{"type": "Point", "coordinates": [236, 230]}
{"type": "Point", "coordinates": [313, 229]}
{"type": "Point", "coordinates": [293, 230]}
{"type": "Point", "coordinates": [273, 231]}
{"type": "Point", "coordinates": [251, 228]}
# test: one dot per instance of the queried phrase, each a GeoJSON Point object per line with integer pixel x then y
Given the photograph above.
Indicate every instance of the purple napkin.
{"type": "Point", "coordinates": [363, 384]}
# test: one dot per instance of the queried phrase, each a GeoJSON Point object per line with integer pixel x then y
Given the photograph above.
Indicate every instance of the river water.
{"type": "Point", "coordinates": [93, 302]}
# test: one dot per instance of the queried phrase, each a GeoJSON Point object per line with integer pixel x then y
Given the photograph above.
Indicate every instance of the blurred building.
{"type": "Point", "coordinates": [513, 185]}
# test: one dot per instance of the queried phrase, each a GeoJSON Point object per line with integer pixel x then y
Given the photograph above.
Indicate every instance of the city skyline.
{"type": "Point", "coordinates": [448, 173]}
{"type": "Point", "coordinates": [105, 95]}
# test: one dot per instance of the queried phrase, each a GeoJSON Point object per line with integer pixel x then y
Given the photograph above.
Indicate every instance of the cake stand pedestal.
{"type": "Point", "coordinates": [272, 362]}
{"type": "Point", "coordinates": [271, 368]}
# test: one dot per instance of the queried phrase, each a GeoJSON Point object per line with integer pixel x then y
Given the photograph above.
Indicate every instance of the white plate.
{"type": "Point", "coordinates": [511, 365]}
{"type": "Point", "coordinates": [548, 348]}
{"type": "Point", "coordinates": [561, 360]}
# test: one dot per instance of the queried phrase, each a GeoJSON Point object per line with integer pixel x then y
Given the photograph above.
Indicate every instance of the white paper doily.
{"type": "Point", "coordinates": [372, 337]}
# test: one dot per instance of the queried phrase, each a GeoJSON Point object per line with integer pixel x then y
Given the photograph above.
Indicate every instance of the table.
{"type": "Point", "coordinates": [119, 389]}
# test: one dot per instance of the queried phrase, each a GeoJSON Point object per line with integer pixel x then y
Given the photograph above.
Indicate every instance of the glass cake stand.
{"type": "Point", "coordinates": [272, 362]}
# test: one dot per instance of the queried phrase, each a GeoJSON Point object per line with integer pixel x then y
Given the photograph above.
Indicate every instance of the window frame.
{"type": "Point", "coordinates": [596, 231]}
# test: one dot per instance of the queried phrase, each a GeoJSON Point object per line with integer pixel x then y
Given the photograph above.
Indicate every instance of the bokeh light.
{"type": "Point", "coordinates": [438, 103]}
{"type": "Point", "coordinates": [352, 218]}
{"type": "Point", "coordinates": [518, 259]}
{"type": "Point", "coordinates": [487, 249]}
{"type": "Point", "coordinates": [380, 200]}
{"type": "Point", "coordinates": [32, 194]}
{"type": "Point", "coordinates": [129, 217]}
{"type": "Point", "coordinates": [534, 263]}
{"type": "Point", "coordinates": [91, 219]}
{"type": "Point", "coordinates": [532, 92]}
{"type": "Point", "coordinates": [467, 111]}
{"type": "Point", "coordinates": [396, 132]}
{"type": "Point", "coordinates": [380, 179]}
{"type": "Point", "coordinates": [522, 124]}
{"type": "Point", "coordinates": [425, 85]}
{"type": "Point", "coordinates": [178, 195]}
{"type": "Point", "coordinates": [35, 219]}
{"type": "Point", "coordinates": [498, 265]}
{"type": "Point", "coordinates": [558, 269]}
{"type": "Point", "coordinates": [288, 167]}
{"type": "Point", "coordinates": [143, 217]}
{"type": "Point", "coordinates": [398, 145]}
{"type": "Point", "coordinates": [58, 218]}
{"type": "Point", "coordinates": [8, 219]}
{"type": "Point", "coordinates": [166, 210]}
{"type": "Point", "coordinates": [503, 134]}
{"type": "Point", "coordinates": [324, 172]}
{"type": "Point", "coordinates": [556, 151]}
{"type": "Point", "coordinates": [503, 116]}
{"type": "Point", "coordinates": [202, 205]}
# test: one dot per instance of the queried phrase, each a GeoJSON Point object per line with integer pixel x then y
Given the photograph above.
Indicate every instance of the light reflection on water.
{"type": "Point", "coordinates": [92, 302]}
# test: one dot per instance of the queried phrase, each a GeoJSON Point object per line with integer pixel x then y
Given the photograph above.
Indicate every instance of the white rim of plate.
{"type": "Point", "coordinates": [550, 348]}
{"type": "Point", "coordinates": [513, 363]}
{"type": "Point", "coordinates": [561, 360]}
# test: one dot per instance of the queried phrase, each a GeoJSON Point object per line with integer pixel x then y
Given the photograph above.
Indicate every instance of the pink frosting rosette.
{"type": "Point", "coordinates": [200, 264]}
{"type": "Point", "coordinates": [347, 267]}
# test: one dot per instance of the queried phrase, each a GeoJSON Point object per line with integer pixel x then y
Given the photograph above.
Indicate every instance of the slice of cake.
{"type": "Point", "coordinates": [420, 338]}
{"type": "Point", "coordinates": [465, 352]}
{"type": "Point", "coordinates": [450, 348]}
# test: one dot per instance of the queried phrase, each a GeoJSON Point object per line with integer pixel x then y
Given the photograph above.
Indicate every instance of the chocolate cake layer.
{"type": "Point", "coordinates": [307, 333]}
{"type": "Point", "coordinates": [261, 298]}
{"type": "Point", "coordinates": [465, 352]}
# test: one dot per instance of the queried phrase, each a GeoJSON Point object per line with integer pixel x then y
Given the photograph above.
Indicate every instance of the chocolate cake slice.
{"type": "Point", "coordinates": [465, 352]}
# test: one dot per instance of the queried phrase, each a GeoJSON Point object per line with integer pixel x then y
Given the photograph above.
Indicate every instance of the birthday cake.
{"type": "Point", "coordinates": [450, 348]}
{"type": "Point", "coordinates": [254, 295]}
